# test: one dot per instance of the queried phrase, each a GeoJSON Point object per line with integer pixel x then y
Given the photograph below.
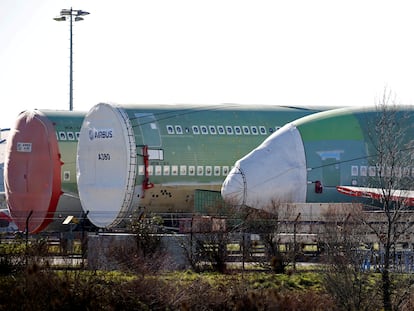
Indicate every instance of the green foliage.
{"type": "Point", "coordinates": [12, 248]}
{"type": "Point", "coordinates": [44, 289]}
{"type": "Point", "coordinates": [145, 229]}
{"type": "Point", "coordinates": [11, 257]}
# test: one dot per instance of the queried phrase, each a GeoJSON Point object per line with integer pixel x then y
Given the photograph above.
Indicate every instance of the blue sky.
{"type": "Point", "coordinates": [205, 52]}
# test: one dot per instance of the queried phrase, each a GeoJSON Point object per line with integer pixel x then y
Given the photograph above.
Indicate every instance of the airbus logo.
{"type": "Point", "coordinates": [100, 134]}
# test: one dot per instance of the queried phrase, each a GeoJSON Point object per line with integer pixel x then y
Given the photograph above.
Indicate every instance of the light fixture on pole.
{"type": "Point", "coordinates": [70, 13]}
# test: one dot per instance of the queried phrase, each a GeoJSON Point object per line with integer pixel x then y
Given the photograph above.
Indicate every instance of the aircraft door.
{"type": "Point", "coordinates": [150, 130]}
{"type": "Point", "coordinates": [330, 163]}
{"type": "Point", "coordinates": [330, 172]}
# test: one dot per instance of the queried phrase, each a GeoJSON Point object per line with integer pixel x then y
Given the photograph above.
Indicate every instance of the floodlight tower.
{"type": "Point", "coordinates": [77, 16]}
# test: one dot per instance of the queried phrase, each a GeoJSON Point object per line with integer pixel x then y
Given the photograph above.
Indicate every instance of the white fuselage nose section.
{"type": "Point", "coordinates": [274, 172]}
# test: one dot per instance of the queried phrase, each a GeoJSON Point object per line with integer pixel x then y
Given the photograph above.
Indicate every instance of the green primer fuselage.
{"type": "Point", "coordinates": [189, 148]}
{"type": "Point", "coordinates": [67, 125]}
{"type": "Point", "coordinates": [339, 148]}
{"type": "Point", "coordinates": [199, 149]}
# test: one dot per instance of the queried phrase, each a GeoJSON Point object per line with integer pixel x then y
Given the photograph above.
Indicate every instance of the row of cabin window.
{"type": "Point", "coordinates": [184, 170]}
{"type": "Point", "coordinates": [220, 129]}
{"type": "Point", "coordinates": [203, 129]}
{"type": "Point", "coordinates": [67, 135]}
{"type": "Point", "coordinates": [372, 171]}
{"type": "Point", "coordinates": [175, 170]}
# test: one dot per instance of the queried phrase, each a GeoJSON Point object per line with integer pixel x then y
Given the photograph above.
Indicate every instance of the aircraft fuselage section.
{"type": "Point", "coordinates": [309, 158]}
{"type": "Point", "coordinates": [156, 157]}
{"type": "Point", "coordinates": [40, 167]}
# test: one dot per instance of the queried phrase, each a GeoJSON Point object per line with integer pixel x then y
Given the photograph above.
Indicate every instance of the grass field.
{"type": "Point", "coordinates": [43, 289]}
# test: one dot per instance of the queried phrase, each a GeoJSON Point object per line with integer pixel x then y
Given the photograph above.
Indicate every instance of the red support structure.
{"type": "Point", "coordinates": [146, 184]}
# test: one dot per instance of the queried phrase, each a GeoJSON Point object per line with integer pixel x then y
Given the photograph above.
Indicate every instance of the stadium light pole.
{"type": "Point", "coordinates": [72, 15]}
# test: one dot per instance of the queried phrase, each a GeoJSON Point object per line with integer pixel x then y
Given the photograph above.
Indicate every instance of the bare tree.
{"type": "Point", "coordinates": [346, 276]}
{"type": "Point", "coordinates": [276, 226]}
{"type": "Point", "coordinates": [392, 154]}
{"type": "Point", "coordinates": [205, 244]}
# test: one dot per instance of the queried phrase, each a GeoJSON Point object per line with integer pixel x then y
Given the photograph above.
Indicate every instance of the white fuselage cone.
{"type": "Point", "coordinates": [275, 169]}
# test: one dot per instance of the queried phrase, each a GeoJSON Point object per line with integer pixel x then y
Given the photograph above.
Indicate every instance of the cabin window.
{"type": "Point", "coordinates": [196, 130]}
{"type": "Point", "coordinates": [212, 130]}
{"type": "Point", "coordinates": [174, 170]}
{"type": "Point", "coordinates": [183, 170]}
{"type": "Point", "coordinates": [354, 170]}
{"type": "Point", "coordinates": [237, 130]}
{"type": "Point", "coordinates": [158, 170]}
{"type": "Point", "coordinates": [220, 129]}
{"type": "Point", "coordinates": [217, 171]}
{"type": "Point", "coordinates": [66, 175]}
{"type": "Point", "coordinates": [170, 129]}
{"type": "Point", "coordinates": [246, 130]}
{"type": "Point", "coordinates": [254, 131]}
{"type": "Point", "coordinates": [178, 129]}
{"type": "Point", "coordinates": [388, 171]}
{"type": "Point", "coordinates": [229, 130]}
{"type": "Point", "coordinates": [208, 170]}
{"type": "Point", "coordinates": [166, 170]}
{"type": "Point", "coordinates": [141, 169]}
{"type": "Point", "coordinates": [262, 130]}
{"type": "Point", "coordinates": [71, 136]}
{"type": "Point", "coordinates": [225, 170]}
{"type": "Point", "coordinates": [204, 130]}
{"type": "Point", "coordinates": [191, 170]}
{"type": "Point", "coordinates": [363, 171]}
{"type": "Point", "coordinates": [200, 171]}
{"type": "Point", "coordinates": [62, 135]}
{"type": "Point", "coordinates": [150, 170]}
